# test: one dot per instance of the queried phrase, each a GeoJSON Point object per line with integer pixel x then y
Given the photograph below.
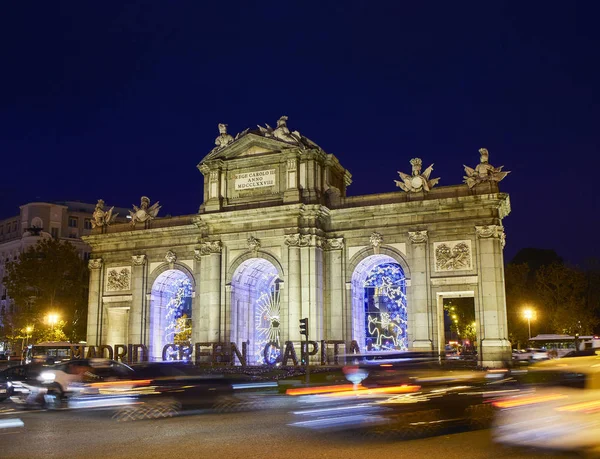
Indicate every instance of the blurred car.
{"type": "Point", "coordinates": [22, 385]}
{"type": "Point", "coordinates": [561, 410]}
{"type": "Point", "coordinates": [582, 353]}
{"type": "Point", "coordinates": [406, 397]}
{"type": "Point", "coordinates": [65, 378]}
{"type": "Point", "coordinates": [530, 355]}
{"type": "Point", "coordinates": [153, 390]}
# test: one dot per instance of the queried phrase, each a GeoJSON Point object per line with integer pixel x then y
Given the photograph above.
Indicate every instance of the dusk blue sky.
{"type": "Point", "coordinates": [116, 100]}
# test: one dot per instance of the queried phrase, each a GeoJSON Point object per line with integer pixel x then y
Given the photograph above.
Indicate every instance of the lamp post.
{"type": "Point", "coordinates": [52, 319]}
{"type": "Point", "coordinates": [528, 314]}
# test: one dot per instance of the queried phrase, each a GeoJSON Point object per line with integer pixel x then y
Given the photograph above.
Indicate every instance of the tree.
{"type": "Point", "coordinates": [461, 312]}
{"type": "Point", "coordinates": [563, 290]}
{"type": "Point", "coordinates": [519, 295]}
{"type": "Point", "coordinates": [49, 277]}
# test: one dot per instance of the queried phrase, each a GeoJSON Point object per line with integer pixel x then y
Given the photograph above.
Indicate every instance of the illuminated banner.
{"type": "Point", "coordinates": [256, 179]}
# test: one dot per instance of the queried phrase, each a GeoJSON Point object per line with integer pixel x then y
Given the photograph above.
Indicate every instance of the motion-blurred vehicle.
{"type": "Point", "coordinates": [22, 385]}
{"type": "Point", "coordinates": [155, 389]}
{"type": "Point", "coordinates": [530, 355]}
{"type": "Point", "coordinates": [65, 378]}
{"type": "Point", "coordinates": [406, 397]}
{"type": "Point", "coordinates": [561, 410]}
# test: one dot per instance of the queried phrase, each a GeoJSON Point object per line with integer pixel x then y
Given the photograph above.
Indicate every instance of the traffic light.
{"type": "Point", "coordinates": [304, 327]}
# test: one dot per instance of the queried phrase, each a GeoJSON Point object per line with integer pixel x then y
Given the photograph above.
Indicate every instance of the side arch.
{"type": "Point", "coordinates": [166, 267]}
{"type": "Point", "coordinates": [248, 255]}
{"type": "Point", "coordinates": [358, 257]}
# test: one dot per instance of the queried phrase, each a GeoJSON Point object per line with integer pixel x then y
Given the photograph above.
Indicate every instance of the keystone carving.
{"type": "Point", "coordinates": [170, 257]}
{"type": "Point", "coordinates": [253, 244]}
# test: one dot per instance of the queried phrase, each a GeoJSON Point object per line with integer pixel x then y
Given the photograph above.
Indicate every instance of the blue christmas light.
{"type": "Point", "coordinates": [385, 308]}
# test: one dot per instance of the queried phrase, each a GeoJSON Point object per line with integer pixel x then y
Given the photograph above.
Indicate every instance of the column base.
{"type": "Point", "coordinates": [495, 353]}
{"type": "Point", "coordinates": [421, 345]}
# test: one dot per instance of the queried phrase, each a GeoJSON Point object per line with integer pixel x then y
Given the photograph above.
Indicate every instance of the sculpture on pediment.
{"type": "Point", "coordinates": [417, 181]}
{"type": "Point", "coordinates": [100, 217]}
{"type": "Point", "coordinates": [223, 139]}
{"type": "Point", "coordinates": [484, 171]}
{"type": "Point", "coordinates": [145, 212]}
{"type": "Point", "coordinates": [283, 133]}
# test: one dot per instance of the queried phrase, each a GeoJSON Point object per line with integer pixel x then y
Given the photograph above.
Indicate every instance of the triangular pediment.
{"type": "Point", "coordinates": [249, 145]}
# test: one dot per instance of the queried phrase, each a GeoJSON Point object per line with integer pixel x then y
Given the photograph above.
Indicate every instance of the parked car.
{"type": "Point", "coordinates": [561, 410]}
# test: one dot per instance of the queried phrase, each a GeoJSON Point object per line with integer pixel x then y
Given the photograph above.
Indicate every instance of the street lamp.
{"type": "Point", "coordinates": [528, 314]}
{"type": "Point", "coordinates": [52, 320]}
{"type": "Point", "coordinates": [28, 331]}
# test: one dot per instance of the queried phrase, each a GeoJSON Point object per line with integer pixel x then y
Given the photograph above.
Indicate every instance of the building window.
{"type": "Point", "coordinates": [87, 223]}
{"type": "Point", "coordinates": [36, 222]}
{"type": "Point", "coordinates": [54, 232]}
{"type": "Point", "coordinates": [1, 230]}
{"type": "Point", "coordinates": [14, 226]}
{"type": "Point", "coordinates": [73, 222]}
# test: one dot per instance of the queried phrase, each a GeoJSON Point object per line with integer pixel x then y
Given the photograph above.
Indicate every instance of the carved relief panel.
{"type": "Point", "coordinates": [118, 279]}
{"type": "Point", "coordinates": [453, 256]}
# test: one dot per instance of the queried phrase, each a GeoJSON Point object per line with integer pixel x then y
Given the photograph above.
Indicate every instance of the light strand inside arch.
{"type": "Point", "coordinates": [385, 308]}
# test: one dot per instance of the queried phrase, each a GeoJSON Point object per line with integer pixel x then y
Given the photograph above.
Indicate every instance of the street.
{"type": "Point", "coordinates": [257, 434]}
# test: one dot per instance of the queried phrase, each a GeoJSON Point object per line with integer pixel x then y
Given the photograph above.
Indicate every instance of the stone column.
{"type": "Point", "coordinates": [137, 323]}
{"type": "Point", "coordinates": [292, 192]}
{"type": "Point", "coordinates": [294, 296]}
{"type": "Point", "coordinates": [198, 314]}
{"type": "Point", "coordinates": [94, 322]}
{"type": "Point", "coordinates": [210, 290]}
{"type": "Point", "coordinates": [335, 289]}
{"type": "Point", "coordinates": [418, 307]}
{"type": "Point", "coordinates": [494, 347]}
{"type": "Point", "coordinates": [311, 268]}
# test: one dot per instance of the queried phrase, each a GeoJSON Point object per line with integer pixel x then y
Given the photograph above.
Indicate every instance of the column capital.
{"type": "Point", "coordinates": [95, 263]}
{"type": "Point", "coordinates": [138, 260]}
{"type": "Point", "coordinates": [333, 243]}
{"type": "Point", "coordinates": [418, 237]}
{"type": "Point", "coordinates": [207, 247]}
{"type": "Point", "coordinates": [305, 240]}
{"type": "Point", "coordinates": [491, 231]}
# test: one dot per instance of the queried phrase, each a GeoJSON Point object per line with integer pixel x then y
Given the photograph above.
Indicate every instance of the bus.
{"type": "Point", "coordinates": [48, 351]}
{"type": "Point", "coordinates": [559, 345]}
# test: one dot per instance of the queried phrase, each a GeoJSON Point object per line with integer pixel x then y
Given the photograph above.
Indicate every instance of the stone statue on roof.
{"type": "Point", "coordinates": [484, 171]}
{"type": "Point", "coordinates": [417, 181]}
{"type": "Point", "coordinates": [282, 132]}
{"type": "Point", "coordinates": [223, 139]}
{"type": "Point", "coordinates": [100, 217]}
{"type": "Point", "coordinates": [145, 212]}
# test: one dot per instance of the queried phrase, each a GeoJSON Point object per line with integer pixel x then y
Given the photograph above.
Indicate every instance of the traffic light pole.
{"type": "Point", "coordinates": [304, 331]}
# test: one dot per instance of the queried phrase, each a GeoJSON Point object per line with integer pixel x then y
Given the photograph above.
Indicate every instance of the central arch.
{"type": "Point", "coordinates": [255, 307]}
{"type": "Point", "coordinates": [379, 315]}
